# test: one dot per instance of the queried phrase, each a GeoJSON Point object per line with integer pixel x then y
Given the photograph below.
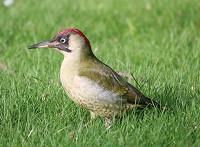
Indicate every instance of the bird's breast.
{"type": "Point", "coordinates": [86, 92]}
{"type": "Point", "coordinates": [90, 94]}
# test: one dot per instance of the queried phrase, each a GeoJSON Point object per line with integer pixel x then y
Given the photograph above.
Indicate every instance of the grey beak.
{"type": "Point", "coordinates": [44, 44]}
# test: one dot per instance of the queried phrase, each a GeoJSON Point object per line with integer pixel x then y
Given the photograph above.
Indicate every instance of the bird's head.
{"type": "Point", "coordinates": [69, 41]}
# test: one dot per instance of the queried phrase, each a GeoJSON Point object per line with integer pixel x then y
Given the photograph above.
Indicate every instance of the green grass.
{"type": "Point", "coordinates": [157, 41]}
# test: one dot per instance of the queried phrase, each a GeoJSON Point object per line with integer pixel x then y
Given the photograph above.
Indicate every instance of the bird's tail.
{"type": "Point", "coordinates": [151, 103]}
{"type": "Point", "coordinates": [140, 100]}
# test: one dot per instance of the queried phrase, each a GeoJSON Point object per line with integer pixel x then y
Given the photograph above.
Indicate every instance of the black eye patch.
{"type": "Point", "coordinates": [63, 42]}
{"type": "Point", "coordinates": [63, 39]}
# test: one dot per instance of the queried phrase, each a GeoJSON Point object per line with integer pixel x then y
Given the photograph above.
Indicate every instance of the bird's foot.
{"type": "Point", "coordinates": [93, 115]}
{"type": "Point", "coordinates": [108, 123]}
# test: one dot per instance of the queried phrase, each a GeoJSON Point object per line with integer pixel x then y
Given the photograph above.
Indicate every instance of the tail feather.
{"type": "Point", "coordinates": [136, 97]}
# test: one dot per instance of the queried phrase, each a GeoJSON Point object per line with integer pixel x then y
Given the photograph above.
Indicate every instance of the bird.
{"type": "Point", "coordinates": [91, 83]}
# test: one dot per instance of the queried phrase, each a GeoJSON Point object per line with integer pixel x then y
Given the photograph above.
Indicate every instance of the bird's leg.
{"type": "Point", "coordinates": [108, 123]}
{"type": "Point", "coordinates": [93, 115]}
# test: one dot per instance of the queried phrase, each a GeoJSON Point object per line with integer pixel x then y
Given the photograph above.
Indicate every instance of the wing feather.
{"type": "Point", "coordinates": [110, 80]}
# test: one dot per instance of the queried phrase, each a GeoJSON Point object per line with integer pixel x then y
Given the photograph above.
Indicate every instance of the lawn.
{"type": "Point", "coordinates": [157, 41]}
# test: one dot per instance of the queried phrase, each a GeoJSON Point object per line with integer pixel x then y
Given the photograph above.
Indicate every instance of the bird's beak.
{"type": "Point", "coordinates": [45, 44]}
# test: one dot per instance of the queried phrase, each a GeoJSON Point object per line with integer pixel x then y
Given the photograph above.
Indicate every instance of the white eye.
{"type": "Point", "coordinates": [63, 40]}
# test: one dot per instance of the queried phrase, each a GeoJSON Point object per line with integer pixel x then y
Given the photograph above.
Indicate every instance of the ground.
{"type": "Point", "coordinates": [157, 41]}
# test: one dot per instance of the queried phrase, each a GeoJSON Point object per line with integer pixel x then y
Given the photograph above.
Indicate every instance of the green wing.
{"type": "Point", "coordinates": [109, 79]}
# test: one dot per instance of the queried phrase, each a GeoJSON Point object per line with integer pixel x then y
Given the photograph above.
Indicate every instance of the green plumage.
{"type": "Point", "coordinates": [106, 77]}
{"type": "Point", "coordinates": [91, 83]}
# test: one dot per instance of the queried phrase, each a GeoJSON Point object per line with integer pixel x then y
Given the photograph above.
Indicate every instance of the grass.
{"type": "Point", "coordinates": [157, 41]}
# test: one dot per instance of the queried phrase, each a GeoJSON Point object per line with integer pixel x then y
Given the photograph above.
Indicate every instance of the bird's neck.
{"type": "Point", "coordinates": [71, 66]}
{"type": "Point", "coordinates": [75, 60]}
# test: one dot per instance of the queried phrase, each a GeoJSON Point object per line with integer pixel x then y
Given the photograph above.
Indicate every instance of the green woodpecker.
{"type": "Point", "coordinates": [91, 83]}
